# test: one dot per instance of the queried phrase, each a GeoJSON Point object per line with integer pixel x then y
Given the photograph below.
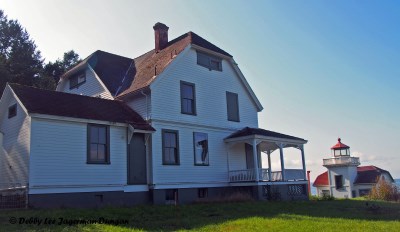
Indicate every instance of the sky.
{"type": "Point", "coordinates": [321, 69]}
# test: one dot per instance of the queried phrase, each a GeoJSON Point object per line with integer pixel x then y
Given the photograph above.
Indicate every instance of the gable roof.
{"type": "Point", "coordinates": [369, 174]}
{"type": "Point", "coordinates": [365, 175]}
{"type": "Point", "coordinates": [48, 102]}
{"type": "Point", "coordinates": [258, 131]}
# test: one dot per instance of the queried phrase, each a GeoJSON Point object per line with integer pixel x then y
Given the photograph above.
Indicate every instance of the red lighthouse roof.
{"type": "Point", "coordinates": [339, 145]}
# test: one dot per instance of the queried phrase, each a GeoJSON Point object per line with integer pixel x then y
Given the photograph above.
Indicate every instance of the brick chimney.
{"type": "Point", "coordinates": [160, 36]}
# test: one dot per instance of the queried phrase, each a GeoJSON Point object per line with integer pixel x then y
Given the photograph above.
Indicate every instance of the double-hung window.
{"type": "Point", "coordinates": [170, 147]}
{"type": "Point", "coordinates": [232, 103]}
{"type": "Point", "coordinates": [98, 144]}
{"type": "Point", "coordinates": [188, 98]}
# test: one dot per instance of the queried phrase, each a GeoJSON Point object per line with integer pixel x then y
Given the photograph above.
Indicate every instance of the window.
{"type": "Point", "coordinates": [77, 80]}
{"type": "Point", "coordinates": [232, 104]}
{"type": "Point", "coordinates": [208, 61]}
{"type": "Point", "coordinates": [98, 144]}
{"type": "Point", "coordinates": [202, 192]}
{"type": "Point", "coordinates": [200, 141]}
{"type": "Point", "coordinates": [296, 190]}
{"type": "Point", "coordinates": [170, 143]}
{"type": "Point", "coordinates": [325, 193]}
{"type": "Point", "coordinates": [339, 181]}
{"type": "Point", "coordinates": [363, 192]}
{"type": "Point", "coordinates": [12, 111]}
{"type": "Point", "coordinates": [188, 101]}
{"type": "Point", "coordinates": [171, 196]}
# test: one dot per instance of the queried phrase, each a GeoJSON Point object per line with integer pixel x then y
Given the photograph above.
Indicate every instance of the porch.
{"type": "Point", "coordinates": [256, 142]}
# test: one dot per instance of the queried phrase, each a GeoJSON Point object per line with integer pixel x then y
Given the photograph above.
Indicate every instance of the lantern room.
{"type": "Point", "coordinates": [340, 149]}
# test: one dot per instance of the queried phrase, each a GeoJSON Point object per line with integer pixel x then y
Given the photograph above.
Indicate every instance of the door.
{"type": "Point", "coordinates": [137, 172]}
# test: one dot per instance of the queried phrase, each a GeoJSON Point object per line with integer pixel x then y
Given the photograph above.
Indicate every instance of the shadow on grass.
{"type": "Point", "coordinates": [186, 217]}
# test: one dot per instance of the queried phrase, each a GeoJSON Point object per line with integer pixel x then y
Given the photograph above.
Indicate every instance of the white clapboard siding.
{"type": "Point", "coordinates": [210, 87]}
{"type": "Point", "coordinates": [187, 172]}
{"type": "Point", "coordinates": [59, 151]}
{"type": "Point", "coordinates": [92, 87]}
{"type": "Point", "coordinates": [138, 104]}
{"type": "Point", "coordinates": [14, 159]}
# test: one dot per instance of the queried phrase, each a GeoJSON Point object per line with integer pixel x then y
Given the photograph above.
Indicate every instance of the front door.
{"type": "Point", "coordinates": [137, 173]}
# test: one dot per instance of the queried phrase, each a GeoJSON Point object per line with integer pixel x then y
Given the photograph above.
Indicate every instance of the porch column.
{"type": "Point", "coordinates": [303, 161]}
{"type": "Point", "coordinates": [269, 166]}
{"type": "Point", "coordinates": [255, 158]}
{"type": "Point", "coordinates": [282, 161]}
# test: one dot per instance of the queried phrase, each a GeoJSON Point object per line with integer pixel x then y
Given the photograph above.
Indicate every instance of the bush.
{"type": "Point", "coordinates": [385, 191]}
{"type": "Point", "coordinates": [322, 198]}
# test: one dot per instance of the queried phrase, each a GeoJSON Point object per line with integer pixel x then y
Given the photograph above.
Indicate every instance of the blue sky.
{"type": "Point", "coordinates": [321, 69]}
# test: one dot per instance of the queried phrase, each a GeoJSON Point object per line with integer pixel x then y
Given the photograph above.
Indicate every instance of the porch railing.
{"type": "Point", "coordinates": [248, 175]}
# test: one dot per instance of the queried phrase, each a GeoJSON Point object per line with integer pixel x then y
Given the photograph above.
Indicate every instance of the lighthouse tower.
{"type": "Point", "coordinates": [342, 171]}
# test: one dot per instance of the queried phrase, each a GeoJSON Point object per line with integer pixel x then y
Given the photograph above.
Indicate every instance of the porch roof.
{"type": "Point", "coordinates": [248, 131]}
{"type": "Point", "coordinates": [268, 140]}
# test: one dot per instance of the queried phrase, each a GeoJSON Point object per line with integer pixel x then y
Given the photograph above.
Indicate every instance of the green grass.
{"type": "Point", "coordinates": [338, 215]}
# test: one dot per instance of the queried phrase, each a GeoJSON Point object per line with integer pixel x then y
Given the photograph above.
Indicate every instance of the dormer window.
{"type": "Point", "coordinates": [12, 111]}
{"type": "Point", "coordinates": [77, 80]}
{"type": "Point", "coordinates": [208, 61]}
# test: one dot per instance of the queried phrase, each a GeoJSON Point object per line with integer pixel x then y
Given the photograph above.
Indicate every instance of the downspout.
{"type": "Point", "coordinates": [147, 105]}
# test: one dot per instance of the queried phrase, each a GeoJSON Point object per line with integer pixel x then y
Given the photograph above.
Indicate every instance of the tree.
{"type": "Point", "coordinates": [59, 67]}
{"type": "Point", "coordinates": [20, 61]}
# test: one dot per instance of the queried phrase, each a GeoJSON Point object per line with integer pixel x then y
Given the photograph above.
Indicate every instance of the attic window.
{"type": "Point", "coordinates": [12, 111]}
{"type": "Point", "coordinates": [77, 80]}
{"type": "Point", "coordinates": [208, 61]}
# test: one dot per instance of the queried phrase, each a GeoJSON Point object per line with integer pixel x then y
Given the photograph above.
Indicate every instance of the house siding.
{"type": "Point", "coordinates": [14, 158]}
{"type": "Point", "coordinates": [59, 155]}
{"type": "Point", "coordinates": [92, 87]}
{"type": "Point", "coordinates": [186, 172]}
{"type": "Point", "coordinates": [211, 87]}
{"type": "Point", "coordinates": [138, 104]}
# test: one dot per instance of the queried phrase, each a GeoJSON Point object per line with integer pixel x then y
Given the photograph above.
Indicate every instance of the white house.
{"type": "Point", "coordinates": [344, 177]}
{"type": "Point", "coordinates": [197, 136]}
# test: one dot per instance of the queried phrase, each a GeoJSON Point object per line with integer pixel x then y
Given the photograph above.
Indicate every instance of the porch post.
{"type": "Point", "coordinates": [282, 161]}
{"type": "Point", "coordinates": [303, 161]}
{"type": "Point", "coordinates": [255, 158]}
{"type": "Point", "coordinates": [269, 166]}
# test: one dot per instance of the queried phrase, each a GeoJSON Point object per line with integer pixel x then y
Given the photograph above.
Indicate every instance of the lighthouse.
{"type": "Point", "coordinates": [342, 171]}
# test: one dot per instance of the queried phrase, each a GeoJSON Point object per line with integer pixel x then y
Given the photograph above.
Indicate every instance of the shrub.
{"type": "Point", "coordinates": [385, 191]}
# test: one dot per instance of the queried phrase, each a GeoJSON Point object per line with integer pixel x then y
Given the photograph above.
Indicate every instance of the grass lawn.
{"type": "Point", "coordinates": [338, 215]}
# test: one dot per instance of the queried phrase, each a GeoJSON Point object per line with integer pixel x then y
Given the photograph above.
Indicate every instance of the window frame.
{"type": "Point", "coordinates": [12, 111]}
{"type": "Point", "coordinates": [227, 107]}
{"type": "Point", "coordinates": [182, 83]}
{"type": "Point", "coordinates": [202, 193]}
{"type": "Point", "coordinates": [194, 150]}
{"type": "Point", "coordinates": [163, 131]}
{"type": "Point", "coordinates": [341, 182]}
{"type": "Point", "coordinates": [210, 58]}
{"type": "Point", "coordinates": [77, 76]}
{"type": "Point", "coordinates": [107, 150]}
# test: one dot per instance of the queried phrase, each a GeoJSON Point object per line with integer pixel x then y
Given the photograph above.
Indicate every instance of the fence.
{"type": "Point", "coordinates": [13, 195]}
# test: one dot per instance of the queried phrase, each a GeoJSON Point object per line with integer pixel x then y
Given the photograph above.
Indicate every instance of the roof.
{"type": "Point", "coordinates": [153, 63]}
{"type": "Point", "coordinates": [369, 174]}
{"type": "Point", "coordinates": [258, 131]}
{"type": "Point", "coordinates": [365, 175]}
{"type": "Point", "coordinates": [48, 102]}
{"type": "Point", "coordinates": [122, 75]}
{"type": "Point", "coordinates": [322, 180]}
{"type": "Point", "coordinates": [339, 145]}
